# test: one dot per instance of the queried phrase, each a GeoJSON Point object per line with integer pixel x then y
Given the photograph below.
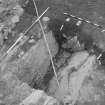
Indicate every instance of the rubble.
{"type": "Point", "coordinates": [25, 66]}
{"type": "Point", "coordinates": [10, 14]}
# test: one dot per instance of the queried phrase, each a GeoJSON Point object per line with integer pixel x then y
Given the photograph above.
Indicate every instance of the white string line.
{"type": "Point", "coordinates": [14, 44]}
{"type": "Point", "coordinates": [22, 34]}
{"type": "Point", "coordinates": [47, 45]}
{"type": "Point", "coordinates": [36, 20]}
{"type": "Point", "coordinates": [88, 21]}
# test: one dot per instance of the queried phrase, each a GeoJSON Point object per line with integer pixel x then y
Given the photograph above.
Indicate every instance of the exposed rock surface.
{"type": "Point", "coordinates": [80, 77]}
{"type": "Point", "coordinates": [81, 80]}
{"type": "Point", "coordinates": [15, 92]}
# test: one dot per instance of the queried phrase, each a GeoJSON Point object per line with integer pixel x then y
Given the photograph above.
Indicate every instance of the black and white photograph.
{"type": "Point", "coordinates": [52, 52]}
